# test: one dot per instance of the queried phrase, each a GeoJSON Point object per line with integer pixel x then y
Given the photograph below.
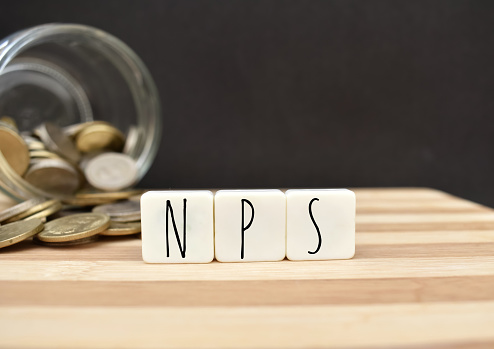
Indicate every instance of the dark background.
{"type": "Point", "coordinates": [308, 93]}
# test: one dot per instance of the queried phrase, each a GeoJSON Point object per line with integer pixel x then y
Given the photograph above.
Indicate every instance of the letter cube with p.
{"type": "Point", "coordinates": [177, 226]}
{"type": "Point", "coordinates": [250, 225]}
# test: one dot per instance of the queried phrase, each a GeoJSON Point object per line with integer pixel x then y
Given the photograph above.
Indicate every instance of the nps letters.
{"type": "Point", "coordinates": [198, 226]}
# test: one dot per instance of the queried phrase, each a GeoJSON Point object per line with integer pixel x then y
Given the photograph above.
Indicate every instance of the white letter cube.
{"type": "Point", "coordinates": [329, 233]}
{"type": "Point", "coordinates": [264, 235]}
{"type": "Point", "coordinates": [163, 211]}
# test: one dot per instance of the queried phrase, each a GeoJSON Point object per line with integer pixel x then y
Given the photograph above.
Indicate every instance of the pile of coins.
{"type": "Point", "coordinates": [57, 162]}
{"type": "Point", "coordinates": [80, 220]}
{"type": "Point", "coordinates": [76, 182]}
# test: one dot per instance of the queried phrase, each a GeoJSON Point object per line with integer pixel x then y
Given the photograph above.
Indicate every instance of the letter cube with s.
{"type": "Point", "coordinates": [320, 224]}
{"type": "Point", "coordinates": [177, 226]}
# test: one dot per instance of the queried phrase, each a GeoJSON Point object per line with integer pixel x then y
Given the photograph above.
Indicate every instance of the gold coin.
{"type": "Point", "coordinates": [19, 208]}
{"type": "Point", "coordinates": [15, 232]}
{"type": "Point", "coordinates": [98, 137]}
{"type": "Point", "coordinates": [33, 146]}
{"type": "Point", "coordinates": [83, 202]}
{"type": "Point", "coordinates": [118, 229]}
{"type": "Point", "coordinates": [43, 154]}
{"type": "Point", "coordinates": [55, 176]}
{"type": "Point", "coordinates": [8, 185]}
{"type": "Point", "coordinates": [73, 130]}
{"type": "Point", "coordinates": [15, 185]}
{"type": "Point", "coordinates": [109, 195]}
{"type": "Point", "coordinates": [74, 227]}
{"type": "Point", "coordinates": [9, 121]}
{"type": "Point", "coordinates": [136, 197]}
{"type": "Point", "coordinates": [131, 141]}
{"type": "Point", "coordinates": [82, 241]}
{"type": "Point", "coordinates": [34, 209]}
{"type": "Point", "coordinates": [33, 143]}
{"type": "Point", "coordinates": [14, 149]}
{"type": "Point", "coordinates": [46, 212]}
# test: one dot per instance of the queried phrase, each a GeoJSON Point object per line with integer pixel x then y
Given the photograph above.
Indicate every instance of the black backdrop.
{"type": "Point", "coordinates": [308, 93]}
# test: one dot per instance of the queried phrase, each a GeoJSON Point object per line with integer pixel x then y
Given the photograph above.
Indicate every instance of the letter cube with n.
{"type": "Point", "coordinates": [177, 226]}
{"type": "Point", "coordinates": [250, 225]}
{"type": "Point", "coordinates": [320, 224]}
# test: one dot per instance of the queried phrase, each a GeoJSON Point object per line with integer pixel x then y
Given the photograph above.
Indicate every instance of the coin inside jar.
{"type": "Point", "coordinates": [56, 141]}
{"type": "Point", "coordinates": [111, 171]}
{"type": "Point", "coordinates": [131, 140]}
{"type": "Point", "coordinates": [14, 149]}
{"type": "Point", "coordinates": [100, 136]}
{"type": "Point", "coordinates": [54, 176]}
{"type": "Point", "coordinates": [9, 121]}
{"type": "Point", "coordinates": [42, 154]}
{"type": "Point", "coordinates": [105, 171]}
{"type": "Point", "coordinates": [73, 130]}
{"type": "Point", "coordinates": [33, 144]}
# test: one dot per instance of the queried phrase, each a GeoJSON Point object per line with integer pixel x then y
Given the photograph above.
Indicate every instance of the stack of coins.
{"type": "Point", "coordinates": [80, 220]}
{"type": "Point", "coordinates": [58, 162]}
{"type": "Point", "coordinates": [125, 217]}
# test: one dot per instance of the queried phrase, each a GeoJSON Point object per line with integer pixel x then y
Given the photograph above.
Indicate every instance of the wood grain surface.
{"type": "Point", "coordinates": [422, 276]}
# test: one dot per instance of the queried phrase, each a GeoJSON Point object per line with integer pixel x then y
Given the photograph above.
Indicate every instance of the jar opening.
{"type": "Point", "coordinates": [68, 74]}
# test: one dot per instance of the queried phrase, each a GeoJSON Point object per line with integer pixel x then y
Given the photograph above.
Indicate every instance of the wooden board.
{"type": "Point", "coordinates": [423, 276]}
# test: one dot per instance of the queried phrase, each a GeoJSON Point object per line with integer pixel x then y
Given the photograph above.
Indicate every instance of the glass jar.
{"type": "Point", "coordinates": [68, 74]}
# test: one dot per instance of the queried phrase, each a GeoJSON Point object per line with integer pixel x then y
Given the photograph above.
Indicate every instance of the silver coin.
{"type": "Point", "coordinates": [28, 138]}
{"type": "Point", "coordinates": [131, 141]}
{"type": "Point", "coordinates": [20, 208]}
{"type": "Point", "coordinates": [111, 171]}
{"type": "Point", "coordinates": [55, 140]}
{"type": "Point", "coordinates": [123, 211]}
{"type": "Point", "coordinates": [54, 176]}
{"type": "Point", "coordinates": [128, 218]}
{"type": "Point", "coordinates": [86, 158]}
